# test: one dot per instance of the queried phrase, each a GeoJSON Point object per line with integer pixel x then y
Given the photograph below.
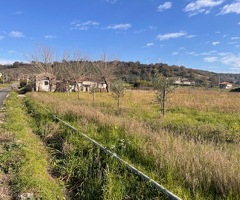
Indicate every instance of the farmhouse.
{"type": "Point", "coordinates": [87, 85]}
{"type": "Point", "coordinates": [45, 82]}
{"type": "Point", "coordinates": [225, 85]}
{"type": "Point", "coordinates": [184, 82]}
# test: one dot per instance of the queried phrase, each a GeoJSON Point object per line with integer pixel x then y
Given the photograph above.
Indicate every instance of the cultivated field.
{"type": "Point", "coordinates": [193, 150]}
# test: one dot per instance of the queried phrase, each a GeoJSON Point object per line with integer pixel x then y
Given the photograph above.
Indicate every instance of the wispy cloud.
{"type": "Point", "coordinates": [191, 36]}
{"type": "Point", "coordinates": [215, 43]}
{"type": "Point", "coordinates": [167, 5]}
{"type": "Point", "coordinates": [211, 59]}
{"type": "Point", "coordinates": [16, 34]}
{"type": "Point", "coordinates": [171, 35]}
{"type": "Point", "coordinates": [50, 37]}
{"type": "Point", "coordinates": [201, 6]}
{"type": "Point", "coordinates": [149, 44]}
{"type": "Point", "coordinates": [18, 13]}
{"type": "Point", "coordinates": [235, 38]}
{"type": "Point", "coordinates": [78, 25]}
{"type": "Point", "coordinates": [231, 8]}
{"type": "Point", "coordinates": [1, 37]}
{"type": "Point", "coordinates": [230, 59]}
{"type": "Point", "coordinates": [119, 26]}
{"type": "Point", "coordinates": [111, 1]}
{"type": "Point", "coordinates": [149, 28]}
{"type": "Point", "coordinates": [175, 53]}
{"type": "Point", "coordinates": [207, 53]}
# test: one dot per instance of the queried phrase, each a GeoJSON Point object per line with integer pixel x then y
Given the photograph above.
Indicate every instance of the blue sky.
{"type": "Point", "coordinates": [199, 34]}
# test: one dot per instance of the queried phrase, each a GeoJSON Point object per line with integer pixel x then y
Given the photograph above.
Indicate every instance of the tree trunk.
{"type": "Point", "coordinates": [163, 101]}
{"type": "Point", "coordinates": [107, 85]}
{"type": "Point", "coordinates": [118, 102]}
{"type": "Point", "coordinates": [78, 88]}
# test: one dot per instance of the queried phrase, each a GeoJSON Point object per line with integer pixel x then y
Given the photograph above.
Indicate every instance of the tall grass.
{"type": "Point", "coordinates": [180, 151]}
{"type": "Point", "coordinates": [87, 171]}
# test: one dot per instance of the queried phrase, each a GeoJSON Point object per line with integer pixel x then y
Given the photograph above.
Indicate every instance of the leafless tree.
{"type": "Point", "coordinates": [77, 69]}
{"type": "Point", "coordinates": [105, 70]}
{"type": "Point", "coordinates": [43, 60]}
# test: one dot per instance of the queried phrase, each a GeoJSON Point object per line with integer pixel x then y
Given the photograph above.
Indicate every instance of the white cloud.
{"type": "Point", "coordinates": [111, 1]}
{"type": "Point", "coordinates": [149, 44]}
{"type": "Point", "coordinates": [210, 59]}
{"type": "Point", "coordinates": [206, 53]}
{"type": "Point", "coordinates": [235, 38]}
{"type": "Point", "coordinates": [231, 8]}
{"type": "Point", "coordinates": [165, 6]}
{"type": "Point", "coordinates": [154, 27]}
{"type": "Point", "coordinates": [50, 37]}
{"type": "Point", "coordinates": [119, 26]}
{"type": "Point", "coordinates": [175, 53]}
{"type": "Point", "coordinates": [215, 43]}
{"type": "Point", "coordinates": [1, 37]}
{"type": "Point", "coordinates": [16, 34]}
{"type": "Point", "coordinates": [230, 59]}
{"type": "Point", "coordinates": [201, 6]}
{"type": "Point", "coordinates": [191, 36]}
{"type": "Point", "coordinates": [171, 35]}
{"type": "Point", "coordinates": [78, 25]}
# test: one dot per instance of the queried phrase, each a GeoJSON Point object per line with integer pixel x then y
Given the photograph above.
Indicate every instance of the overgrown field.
{"type": "Point", "coordinates": [193, 151]}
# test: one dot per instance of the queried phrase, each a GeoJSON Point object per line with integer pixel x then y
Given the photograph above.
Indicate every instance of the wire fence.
{"type": "Point", "coordinates": [156, 185]}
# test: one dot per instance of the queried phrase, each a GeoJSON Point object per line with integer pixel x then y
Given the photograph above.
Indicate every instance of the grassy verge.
{"type": "Point", "coordinates": [25, 156]}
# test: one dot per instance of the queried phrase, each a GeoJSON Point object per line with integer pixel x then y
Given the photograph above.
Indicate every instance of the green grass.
{"type": "Point", "coordinates": [25, 157]}
{"type": "Point", "coordinates": [88, 172]}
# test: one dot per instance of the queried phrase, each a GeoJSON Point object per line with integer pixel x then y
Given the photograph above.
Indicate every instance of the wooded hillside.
{"type": "Point", "coordinates": [133, 72]}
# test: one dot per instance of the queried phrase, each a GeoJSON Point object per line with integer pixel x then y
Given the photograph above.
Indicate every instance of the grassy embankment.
{"type": "Point", "coordinates": [23, 156]}
{"type": "Point", "coordinates": [192, 151]}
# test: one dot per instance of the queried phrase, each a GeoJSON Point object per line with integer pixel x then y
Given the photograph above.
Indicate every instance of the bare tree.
{"type": "Point", "coordinates": [105, 70]}
{"type": "Point", "coordinates": [163, 87]}
{"type": "Point", "coordinates": [43, 60]}
{"type": "Point", "coordinates": [77, 69]}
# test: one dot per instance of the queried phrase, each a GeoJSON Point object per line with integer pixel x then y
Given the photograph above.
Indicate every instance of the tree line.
{"type": "Point", "coordinates": [76, 66]}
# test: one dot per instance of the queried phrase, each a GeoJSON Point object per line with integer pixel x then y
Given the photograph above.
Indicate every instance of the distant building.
{"type": "Point", "coordinates": [225, 85]}
{"type": "Point", "coordinates": [45, 82]}
{"type": "Point", "coordinates": [184, 82]}
{"type": "Point", "coordinates": [86, 85]}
